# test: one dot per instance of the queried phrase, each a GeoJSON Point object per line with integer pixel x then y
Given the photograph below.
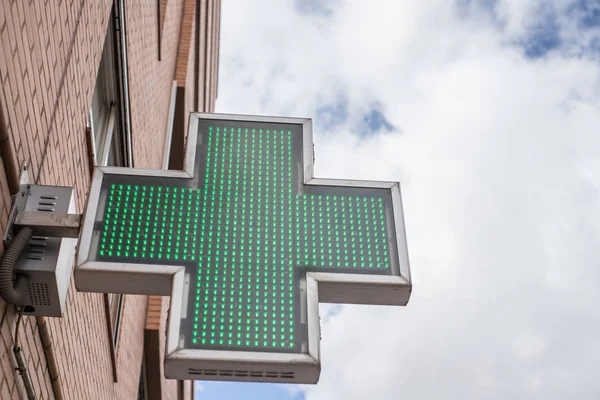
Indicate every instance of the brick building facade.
{"type": "Point", "coordinates": [105, 82]}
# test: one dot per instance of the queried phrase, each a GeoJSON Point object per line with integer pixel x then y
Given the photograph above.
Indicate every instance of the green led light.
{"type": "Point", "coordinates": [247, 230]}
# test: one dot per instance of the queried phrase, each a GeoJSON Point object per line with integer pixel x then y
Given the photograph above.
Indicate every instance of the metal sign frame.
{"type": "Point", "coordinates": [171, 280]}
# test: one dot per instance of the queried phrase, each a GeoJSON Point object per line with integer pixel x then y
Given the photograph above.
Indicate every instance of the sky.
{"type": "Point", "coordinates": [488, 114]}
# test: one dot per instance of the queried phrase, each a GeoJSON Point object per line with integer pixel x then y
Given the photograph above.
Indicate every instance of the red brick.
{"type": "Point", "coordinates": [46, 96]}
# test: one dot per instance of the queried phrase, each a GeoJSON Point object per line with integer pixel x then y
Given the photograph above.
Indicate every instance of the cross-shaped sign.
{"type": "Point", "coordinates": [246, 242]}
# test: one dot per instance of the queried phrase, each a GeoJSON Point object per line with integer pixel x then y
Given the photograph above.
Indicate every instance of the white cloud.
{"type": "Point", "coordinates": [498, 159]}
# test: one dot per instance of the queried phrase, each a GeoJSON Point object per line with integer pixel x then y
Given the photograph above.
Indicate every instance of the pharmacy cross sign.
{"type": "Point", "coordinates": [247, 243]}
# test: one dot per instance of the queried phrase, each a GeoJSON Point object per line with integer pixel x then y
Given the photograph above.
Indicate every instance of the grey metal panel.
{"type": "Point", "coordinates": [307, 152]}
{"type": "Point", "coordinates": [242, 366]}
{"type": "Point", "coordinates": [192, 137]}
{"type": "Point", "coordinates": [362, 289]}
{"type": "Point", "coordinates": [66, 260]}
{"type": "Point", "coordinates": [314, 328]}
{"type": "Point", "coordinates": [252, 118]}
{"type": "Point", "coordinates": [401, 240]}
{"type": "Point", "coordinates": [351, 183]}
{"type": "Point", "coordinates": [169, 133]}
{"type": "Point", "coordinates": [96, 276]}
{"type": "Point", "coordinates": [177, 301]}
{"type": "Point", "coordinates": [89, 217]}
{"type": "Point", "coordinates": [50, 224]}
{"type": "Point", "coordinates": [161, 173]}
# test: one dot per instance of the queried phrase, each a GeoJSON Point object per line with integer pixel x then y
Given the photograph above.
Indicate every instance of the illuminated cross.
{"type": "Point", "coordinates": [250, 234]}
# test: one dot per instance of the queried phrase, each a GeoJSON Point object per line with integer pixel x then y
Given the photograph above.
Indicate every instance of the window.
{"type": "Point", "coordinates": [108, 116]}
{"type": "Point", "coordinates": [108, 137]}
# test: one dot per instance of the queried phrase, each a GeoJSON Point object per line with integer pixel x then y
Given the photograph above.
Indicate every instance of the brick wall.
{"type": "Point", "coordinates": [49, 56]}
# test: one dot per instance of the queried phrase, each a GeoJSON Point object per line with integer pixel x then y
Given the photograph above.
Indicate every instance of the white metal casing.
{"type": "Point", "coordinates": [46, 261]}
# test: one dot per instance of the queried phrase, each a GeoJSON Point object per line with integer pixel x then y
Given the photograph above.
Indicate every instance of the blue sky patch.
{"type": "Point", "coordinates": [586, 13]}
{"type": "Point", "coordinates": [469, 8]}
{"type": "Point", "coordinates": [323, 8]}
{"type": "Point", "coordinates": [541, 37]}
{"type": "Point", "coordinates": [482, 4]}
{"type": "Point", "coordinates": [330, 116]}
{"type": "Point", "coordinates": [374, 121]}
{"type": "Point", "coordinates": [544, 35]}
{"type": "Point", "coordinates": [247, 391]}
{"type": "Point", "coordinates": [329, 311]}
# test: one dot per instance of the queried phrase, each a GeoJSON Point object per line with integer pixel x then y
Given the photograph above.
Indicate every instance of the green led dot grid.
{"type": "Point", "coordinates": [150, 223]}
{"type": "Point", "coordinates": [245, 234]}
